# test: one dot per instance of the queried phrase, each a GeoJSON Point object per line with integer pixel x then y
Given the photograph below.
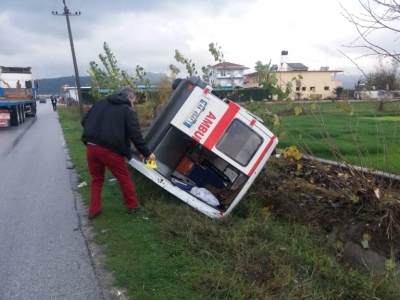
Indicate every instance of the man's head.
{"type": "Point", "coordinates": [129, 94]}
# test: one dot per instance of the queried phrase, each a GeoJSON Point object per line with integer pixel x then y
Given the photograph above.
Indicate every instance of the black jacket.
{"type": "Point", "coordinates": [111, 123]}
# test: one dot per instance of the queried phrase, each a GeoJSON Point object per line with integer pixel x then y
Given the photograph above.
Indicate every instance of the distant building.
{"type": "Point", "coordinates": [320, 83]}
{"type": "Point", "coordinates": [227, 75]}
{"type": "Point", "coordinates": [313, 82]}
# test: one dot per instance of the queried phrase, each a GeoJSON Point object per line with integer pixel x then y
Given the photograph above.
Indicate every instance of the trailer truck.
{"type": "Point", "coordinates": [209, 149]}
{"type": "Point", "coordinates": [17, 95]}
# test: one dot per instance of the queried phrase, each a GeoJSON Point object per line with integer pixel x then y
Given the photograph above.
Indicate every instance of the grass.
{"type": "Point", "coordinates": [332, 107]}
{"type": "Point", "coordinates": [170, 251]}
{"type": "Point", "coordinates": [367, 138]}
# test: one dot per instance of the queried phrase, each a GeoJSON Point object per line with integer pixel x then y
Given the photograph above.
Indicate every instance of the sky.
{"type": "Point", "coordinates": [147, 33]}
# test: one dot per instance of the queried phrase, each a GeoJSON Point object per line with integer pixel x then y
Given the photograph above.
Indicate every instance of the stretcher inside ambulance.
{"type": "Point", "coordinates": [209, 149]}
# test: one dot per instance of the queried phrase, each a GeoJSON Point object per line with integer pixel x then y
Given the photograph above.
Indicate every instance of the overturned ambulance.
{"type": "Point", "coordinates": [209, 149]}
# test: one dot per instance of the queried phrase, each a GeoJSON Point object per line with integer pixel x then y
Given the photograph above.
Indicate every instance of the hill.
{"type": "Point", "coordinates": [348, 81]}
{"type": "Point", "coordinates": [52, 86]}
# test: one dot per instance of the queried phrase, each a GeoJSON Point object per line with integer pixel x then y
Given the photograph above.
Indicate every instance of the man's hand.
{"type": "Point", "coordinates": [152, 157]}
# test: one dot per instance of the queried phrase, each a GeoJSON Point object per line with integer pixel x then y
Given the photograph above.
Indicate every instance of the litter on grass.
{"type": "Point", "coordinates": [82, 184]}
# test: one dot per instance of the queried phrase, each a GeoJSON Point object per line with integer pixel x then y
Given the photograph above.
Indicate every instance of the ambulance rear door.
{"type": "Point", "coordinates": [226, 129]}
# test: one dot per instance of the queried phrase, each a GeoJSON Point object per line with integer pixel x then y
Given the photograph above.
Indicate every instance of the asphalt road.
{"type": "Point", "coordinates": [43, 253]}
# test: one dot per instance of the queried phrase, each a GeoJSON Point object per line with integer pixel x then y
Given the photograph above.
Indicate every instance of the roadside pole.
{"type": "Point", "coordinates": [67, 14]}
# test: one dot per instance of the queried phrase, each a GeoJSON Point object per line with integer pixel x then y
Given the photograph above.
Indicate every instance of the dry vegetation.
{"type": "Point", "coordinates": [313, 195]}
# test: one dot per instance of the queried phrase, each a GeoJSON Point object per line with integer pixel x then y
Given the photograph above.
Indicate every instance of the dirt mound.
{"type": "Point", "coordinates": [349, 208]}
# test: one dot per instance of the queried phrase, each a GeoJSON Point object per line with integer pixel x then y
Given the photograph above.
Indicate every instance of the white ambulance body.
{"type": "Point", "coordinates": [209, 149]}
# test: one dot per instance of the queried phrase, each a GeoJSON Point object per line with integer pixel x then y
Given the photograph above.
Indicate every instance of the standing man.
{"type": "Point", "coordinates": [109, 127]}
{"type": "Point", "coordinates": [54, 102]}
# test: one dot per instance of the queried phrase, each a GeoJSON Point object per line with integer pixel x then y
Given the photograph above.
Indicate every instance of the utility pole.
{"type": "Point", "coordinates": [67, 14]}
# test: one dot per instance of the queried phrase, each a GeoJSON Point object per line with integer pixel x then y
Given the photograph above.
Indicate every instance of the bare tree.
{"type": "Point", "coordinates": [385, 76]}
{"type": "Point", "coordinates": [376, 15]}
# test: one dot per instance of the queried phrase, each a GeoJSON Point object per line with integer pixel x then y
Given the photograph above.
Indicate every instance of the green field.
{"type": "Point", "coordinates": [357, 133]}
{"type": "Point", "coordinates": [332, 107]}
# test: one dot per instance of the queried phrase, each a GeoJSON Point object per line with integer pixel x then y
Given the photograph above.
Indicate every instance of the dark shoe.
{"type": "Point", "coordinates": [92, 216]}
{"type": "Point", "coordinates": [134, 210]}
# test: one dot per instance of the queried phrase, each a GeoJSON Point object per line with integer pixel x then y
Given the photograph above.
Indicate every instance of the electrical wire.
{"type": "Point", "coordinates": [81, 5]}
{"type": "Point", "coordinates": [55, 2]}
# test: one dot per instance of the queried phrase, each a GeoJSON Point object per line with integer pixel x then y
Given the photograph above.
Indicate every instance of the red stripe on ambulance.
{"type": "Point", "coordinates": [203, 127]}
{"type": "Point", "coordinates": [222, 125]}
{"type": "Point", "coordinates": [271, 141]}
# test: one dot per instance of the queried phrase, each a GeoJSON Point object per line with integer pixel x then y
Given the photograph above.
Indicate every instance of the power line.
{"type": "Point", "coordinates": [82, 4]}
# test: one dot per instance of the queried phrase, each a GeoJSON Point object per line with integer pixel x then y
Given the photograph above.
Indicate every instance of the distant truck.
{"type": "Point", "coordinates": [17, 95]}
{"type": "Point", "coordinates": [209, 149]}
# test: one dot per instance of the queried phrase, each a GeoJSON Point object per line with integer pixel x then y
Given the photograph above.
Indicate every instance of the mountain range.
{"type": "Point", "coordinates": [52, 86]}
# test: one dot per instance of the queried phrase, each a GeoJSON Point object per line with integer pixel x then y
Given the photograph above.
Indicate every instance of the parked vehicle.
{"type": "Point", "coordinates": [17, 95]}
{"type": "Point", "coordinates": [209, 149]}
{"type": "Point", "coordinates": [42, 100]}
{"type": "Point", "coordinates": [384, 95]}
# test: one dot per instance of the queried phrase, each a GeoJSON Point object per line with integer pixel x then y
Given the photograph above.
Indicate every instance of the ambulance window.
{"type": "Point", "coordinates": [239, 142]}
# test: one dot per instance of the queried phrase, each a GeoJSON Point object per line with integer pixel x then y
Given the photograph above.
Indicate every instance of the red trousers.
{"type": "Point", "coordinates": [100, 158]}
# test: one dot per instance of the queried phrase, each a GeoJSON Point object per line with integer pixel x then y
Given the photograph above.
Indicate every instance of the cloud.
{"type": "Point", "coordinates": [147, 33]}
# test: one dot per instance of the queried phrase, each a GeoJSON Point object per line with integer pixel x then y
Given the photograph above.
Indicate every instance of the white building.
{"type": "Point", "coordinates": [227, 75]}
